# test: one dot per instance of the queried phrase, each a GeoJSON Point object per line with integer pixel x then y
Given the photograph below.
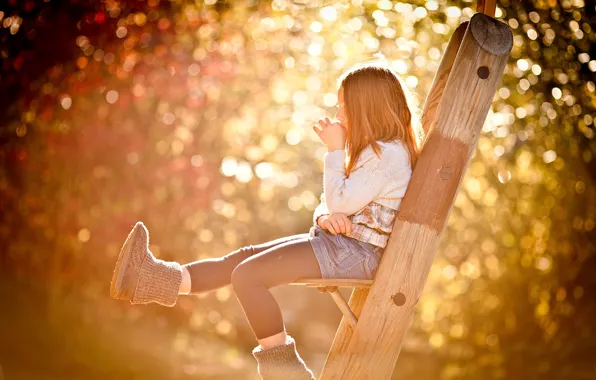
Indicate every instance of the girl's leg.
{"type": "Point", "coordinates": [141, 278]}
{"type": "Point", "coordinates": [210, 274]}
{"type": "Point", "coordinates": [276, 354]}
{"type": "Point", "coordinates": [253, 277]}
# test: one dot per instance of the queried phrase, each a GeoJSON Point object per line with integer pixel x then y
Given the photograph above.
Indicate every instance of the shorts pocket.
{"type": "Point", "coordinates": [372, 263]}
{"type": "Point", "coordinates": [343, 242]}
{"type": "Point", "coordinates": [343, 251]}
{"type": "Point", "coordinates": [347, 255]}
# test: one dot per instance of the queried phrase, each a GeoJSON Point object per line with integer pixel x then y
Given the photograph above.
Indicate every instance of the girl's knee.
{"type": "Point", "coordinates": [241, 276]}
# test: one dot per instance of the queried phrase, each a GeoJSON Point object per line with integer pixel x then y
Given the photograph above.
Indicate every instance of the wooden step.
{"type": "Point", "coordinates": [333, 282]}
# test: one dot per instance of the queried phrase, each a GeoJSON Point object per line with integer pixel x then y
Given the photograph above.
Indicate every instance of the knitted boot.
{"type": "Point", "coordinates": [140, 277]}
{"type": "Point", "coordinates": [282, 362]}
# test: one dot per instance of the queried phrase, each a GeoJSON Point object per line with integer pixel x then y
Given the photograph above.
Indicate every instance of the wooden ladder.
{"type": "Point", "coordinates": [378, 314]}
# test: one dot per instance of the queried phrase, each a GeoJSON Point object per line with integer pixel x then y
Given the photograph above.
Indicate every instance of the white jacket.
{"type": "Point", "coordinates": [383, 179]}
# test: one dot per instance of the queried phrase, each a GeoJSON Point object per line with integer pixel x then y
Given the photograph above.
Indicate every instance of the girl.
{"type": "Point", "coordinates": [372, 149]}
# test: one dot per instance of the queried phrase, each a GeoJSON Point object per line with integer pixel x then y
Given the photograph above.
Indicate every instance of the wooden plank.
{"type": "Point", "coordinates": [431, 104]}
{"type": "Point", "coordinates": [341, 282]}
{"type": "Point", "coordinates": [384, 313]}
{"type": "Point", "coordinates": [488, 7]}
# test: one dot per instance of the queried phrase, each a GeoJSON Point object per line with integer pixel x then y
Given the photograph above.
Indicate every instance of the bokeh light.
{"type": "Point", "coordinates": [195, 117]}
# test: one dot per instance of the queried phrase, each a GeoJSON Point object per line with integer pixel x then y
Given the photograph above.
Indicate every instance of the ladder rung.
{"type": "Point", "coordinates": [341, 282]}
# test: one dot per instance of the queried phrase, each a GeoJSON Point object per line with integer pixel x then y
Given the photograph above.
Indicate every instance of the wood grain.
{"type": "Point", "coordinates": [431, 104]}
{"type": "Point", "coordinates": [339, 282]}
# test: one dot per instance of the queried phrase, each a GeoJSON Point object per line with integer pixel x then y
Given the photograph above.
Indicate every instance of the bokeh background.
{"type": "Point", "coordinates": [195, 117]}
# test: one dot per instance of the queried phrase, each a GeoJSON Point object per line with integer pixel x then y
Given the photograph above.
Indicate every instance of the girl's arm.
{"type": "Point", "coordinates": [366, 182]}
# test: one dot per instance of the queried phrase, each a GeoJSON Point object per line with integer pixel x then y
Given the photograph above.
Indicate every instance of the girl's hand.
{"type": "Point", "coordinates": [336, 223]}
{"type": "Point", "coordinates": [332, 134]}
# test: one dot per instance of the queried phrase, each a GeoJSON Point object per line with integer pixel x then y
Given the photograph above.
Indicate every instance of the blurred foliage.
{"type": "Point", "coordinates": [195, 118]}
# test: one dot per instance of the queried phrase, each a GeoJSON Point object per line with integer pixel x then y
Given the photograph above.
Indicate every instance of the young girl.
{"type": "Point", "coordinates": [372, 149]}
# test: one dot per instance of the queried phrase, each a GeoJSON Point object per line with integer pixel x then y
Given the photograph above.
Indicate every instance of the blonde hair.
{"type": "Point", "coordinates": [379, 107]}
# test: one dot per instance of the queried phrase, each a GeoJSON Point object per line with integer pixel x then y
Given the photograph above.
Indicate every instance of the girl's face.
{"type": "Point", "coordinates": [341, 113]}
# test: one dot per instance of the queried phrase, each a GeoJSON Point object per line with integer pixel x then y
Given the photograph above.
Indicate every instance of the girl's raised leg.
{"type": "Point", "coordinates": [213, 273]}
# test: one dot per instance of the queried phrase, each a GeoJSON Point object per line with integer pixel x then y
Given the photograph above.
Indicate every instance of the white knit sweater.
{"type": "Point", "coordinates": [383, 179]}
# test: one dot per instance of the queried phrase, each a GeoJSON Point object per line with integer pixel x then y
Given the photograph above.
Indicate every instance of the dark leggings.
{"type": "Point", "coordinates": [252, 271]}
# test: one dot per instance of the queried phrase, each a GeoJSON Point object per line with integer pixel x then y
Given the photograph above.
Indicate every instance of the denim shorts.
{"type": "Point", "coordinates": [341, 256]}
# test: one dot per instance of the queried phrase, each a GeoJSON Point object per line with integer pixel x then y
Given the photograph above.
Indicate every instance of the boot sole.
{"type": "Point", "coordinates": [123, 284]}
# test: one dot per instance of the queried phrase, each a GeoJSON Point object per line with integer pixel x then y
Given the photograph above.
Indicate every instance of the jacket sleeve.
{"type": "Point", "coordinates": [366, 182]}
{"type": "Point", "coordinates": [320, 210]}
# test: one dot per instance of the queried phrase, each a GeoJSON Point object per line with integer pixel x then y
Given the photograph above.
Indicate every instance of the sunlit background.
{"type": "Point", "coordinates": [195, 117]}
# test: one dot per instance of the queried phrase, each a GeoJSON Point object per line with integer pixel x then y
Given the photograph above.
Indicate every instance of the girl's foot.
{"type": "Point", "coordinates": [141, 278]}
{"type": "Point", "coordinates": [282, 362]}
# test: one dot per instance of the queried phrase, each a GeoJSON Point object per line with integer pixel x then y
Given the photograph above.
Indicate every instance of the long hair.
{"type": "Point", "coordinates": [378, 108]}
